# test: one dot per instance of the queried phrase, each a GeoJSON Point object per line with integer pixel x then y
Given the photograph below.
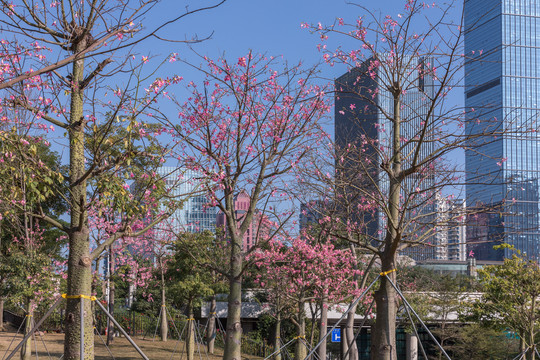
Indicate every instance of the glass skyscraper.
{"type": "Point", "coordinates": [363, 106]}
{"type": "Point", "coordinates": [194, 214]}
{"type": "Point", "coordinates": [502, 98]}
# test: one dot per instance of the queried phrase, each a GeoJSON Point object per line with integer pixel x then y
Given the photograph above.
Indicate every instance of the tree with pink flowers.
{"type": "Point", "coordinates": [28, 276]}
{"type": "Point", "coordinates": [70, 68]}
{"type": "Point", "coordinates": [396, 130]}
{"type": "Point", "coordinates": [296, 272]}
{"type": "Point", "coordinates": [244, 128]}
{"type": "Point", "coordinates": [28, 246]}
{"type": "Point", "coordinates": [141, 258]}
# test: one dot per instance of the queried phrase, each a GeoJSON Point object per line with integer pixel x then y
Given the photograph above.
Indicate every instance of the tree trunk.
{"type": "Point", "coordinates": [79, 277]}
{"type": "Point", "coordinates": [384, 332]}
{"type": "Point", "coordinates": [233, 340]}
{"type": "Point", "coordinates": [277, 337]}
{"type": "Point", "coordinates": [531, 330]}
{"type": "Point", "coordinates": [521, 342]}
{"type": "Point", "coordinates": [211, 329]}
{"type": "Point", "coordinates": [383, 346]}
{"type": "Point", "coordinates": [26, 349]}
{"type": "Point", "coordinates": [350, 344]}
{"type": "Point", "coordinates": [110, 325]}
{"type": "Point", "coordinates": [300, 351]}
{"type": "Point", "coordinates": [190, 339]}
{"type": "Point", "coordinates": [164, 325]}
{"type": "Point", "coordinates": [1, 313]}
{"type": "Point", "coordinates": [323, 327]}
{"type": "Point", "coordinates": [348, 336]}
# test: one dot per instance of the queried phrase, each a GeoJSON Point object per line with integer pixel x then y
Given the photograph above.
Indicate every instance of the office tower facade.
{"type": "Point", "coordinates": [310, 213]}
{"type": "Point", "coordinates": [362, 111]}
{"type": "Point", "coordinates": [194, 215]}
{"type": "Point", "coordinates": [502, 98]}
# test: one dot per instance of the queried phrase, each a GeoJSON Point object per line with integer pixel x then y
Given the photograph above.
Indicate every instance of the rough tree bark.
{"type": "Point", "coordinates": [384, 334]}
{"type": "Point", "coordinates": [164, 326]}
{"type": "Point", "coordinates": [79, 260]}
{"type": "Point", "coordinates": [277, 337]}
{"type": "Point", "coordinates": [110, 324]}
{"type": "Point", "coordinates": [234, 307]}
{"type": "Point", "coordinates": [348, 337]}
{"type": "Point", "coordinates": [300, 351]}
{"type": "Point", "coordinates": [190, 339]}
{"type": "Point", "coordinates": [384, 331]}
{"type": "Point", "coordinates": [1, 313]}
{"type": "Point", "coordinates": [26, 349]}
{"type": "Point", "coordinates": [211, 329]}
{"type": "Point", "coordinates": [323, 326]}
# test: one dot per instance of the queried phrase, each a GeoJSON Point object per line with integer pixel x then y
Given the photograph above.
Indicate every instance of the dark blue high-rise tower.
{"type": "Point", "coordinates": [363, 109]}
{"type": "Point", "coordinates": [502, 97]}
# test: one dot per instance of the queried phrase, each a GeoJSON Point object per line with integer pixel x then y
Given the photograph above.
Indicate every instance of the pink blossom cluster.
{"type": "Point", "coordinates": [303, 271]}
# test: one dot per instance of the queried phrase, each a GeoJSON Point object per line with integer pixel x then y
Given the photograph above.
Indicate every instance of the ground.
{"type": "Point", "coordinates": [53, 344]}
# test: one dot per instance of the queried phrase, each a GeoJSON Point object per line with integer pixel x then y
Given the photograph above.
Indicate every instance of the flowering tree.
{"type": "Point", "coordinates": [244, 129]}
{"type": "Point", "coordinates": [131, 255]}
{"type": "Point", "coordinates": [28, 245]}
{"type": "Point", "coordinates": [28, 276]}
{"type": "Point", "coordinates": [303, 273]}
{"type": "Point", "coordinates": [201, 264]}
{"type": "Point", "coordinates": [44, 94]}
{"type": "Point", "coordinates": [394, 133]}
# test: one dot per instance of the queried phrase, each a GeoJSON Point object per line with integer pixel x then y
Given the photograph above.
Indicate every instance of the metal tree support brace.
{"type": "Point", "coordinates": [31, 332]}
{"type": "Point", "coordinates": [278, 350]}
{"type": "Point", "coordinates": [342, 317]}
{"type": "Point", "coordinates": [55, 305]}
{"type": "Point", "coordinates": [418, 317]}
{"type": "Point", "coordinates": [122, 331]}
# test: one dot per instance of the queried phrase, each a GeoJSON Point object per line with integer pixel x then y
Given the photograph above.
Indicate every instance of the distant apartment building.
{"type": "Point", "coordinates": [259, 227]}
{"type": "Point", "coordinates": [450, 234]}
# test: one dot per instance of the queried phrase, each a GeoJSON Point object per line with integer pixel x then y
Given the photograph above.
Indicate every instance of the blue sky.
{"type": "Point", "coordinates": [270, 27]}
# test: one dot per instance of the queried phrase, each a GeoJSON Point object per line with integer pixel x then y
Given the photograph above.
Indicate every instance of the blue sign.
{"type": "Point", "coordinates": [336, 335]}
{"type": "Point", "coordinates": [511, 334]}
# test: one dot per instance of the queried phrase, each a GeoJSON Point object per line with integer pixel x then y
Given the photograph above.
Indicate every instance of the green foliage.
{"type": "Point", "coordinates": [190, 272]}
{"type": "Point", "coordinates": [510, 297]}
{"type": "Point", "coordinates": [121, 182]}
{"type": "Point", "coordinates": [26, 273]}
{"type": "Point", "coordinates": [31, 174]}
{"type": "Point", "coordinates": [477, 342]}
{"type": "Point", "coordinates": [33, 186]}
{"type": "Point", "coordinates": [33, 181]}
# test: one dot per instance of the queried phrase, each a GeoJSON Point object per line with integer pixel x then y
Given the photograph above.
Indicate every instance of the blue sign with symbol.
{"type": "Point", "coordinates": [336, 335]}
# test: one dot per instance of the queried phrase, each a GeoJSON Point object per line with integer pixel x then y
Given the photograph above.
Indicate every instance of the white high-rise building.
{"type": "Point", "coordinates": [450, 235]}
